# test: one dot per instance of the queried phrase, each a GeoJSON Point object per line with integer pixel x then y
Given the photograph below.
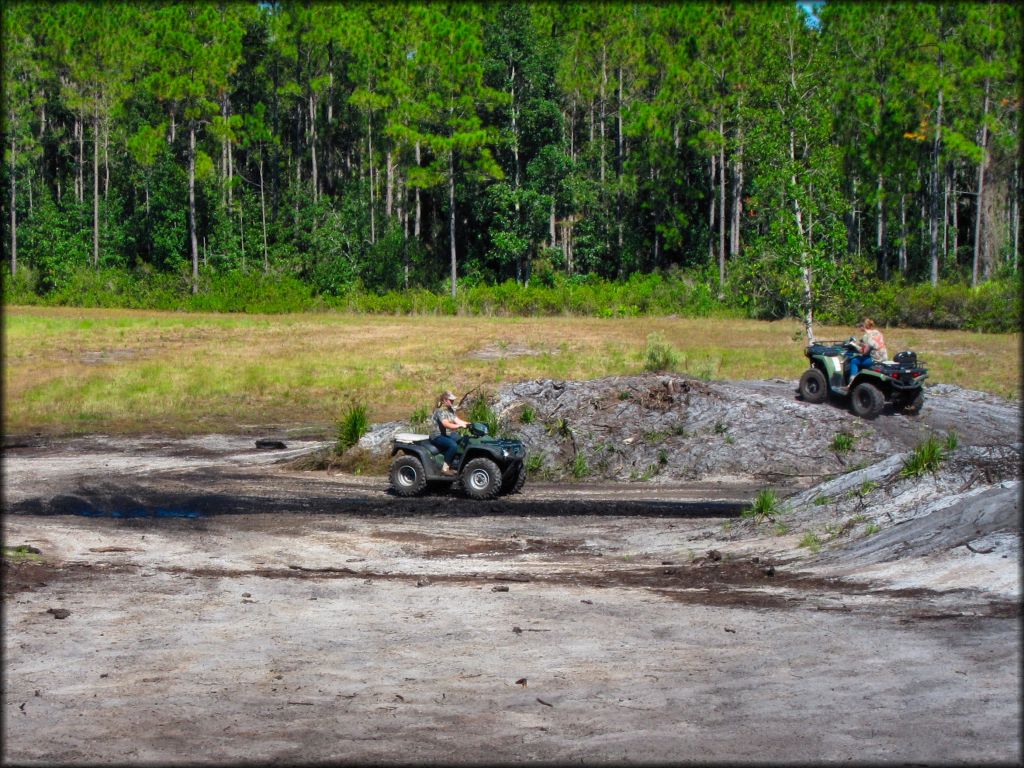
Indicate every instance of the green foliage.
{"type": "Point", "coordinates": [871, 529]}
{"type": "Point", "coordinates": [527, 415]}
{"type": "Point", "coordinates": [420, 417]}
{"type": "Point", "coordinates": [483, 412]}
{"type": "Point", "coordinates": [926, 457]}
{"type": "Point", "coordinates": [516, 159]}
{"type": "Point", "coordinates": [353, 424]}
{"type": "Point", "coordinates": [766, 506]}
{"type": "Point", "coordinates": [843, 442]}
{"type": "Point", "coordinates": [810, 541]}
{"type": "Point", "coordinates": [659, 355]}
{"type": "Point", "coordinates": [534, 463]}
{"type": "Point", "coordinates": [952, 441]}
{"type": "Point", "coordinates": [578, 467]}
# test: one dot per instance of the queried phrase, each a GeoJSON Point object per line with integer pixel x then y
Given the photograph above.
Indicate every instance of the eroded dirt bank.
{"type": "Point", "coordinates": [198, 601]}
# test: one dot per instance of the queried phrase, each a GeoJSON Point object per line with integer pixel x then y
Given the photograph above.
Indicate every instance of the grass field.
{"type": "Point", "coordinates": [124, 371]}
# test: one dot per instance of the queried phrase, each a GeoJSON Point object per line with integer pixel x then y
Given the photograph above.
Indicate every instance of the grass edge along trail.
{"type": "Point", "coordinates": [73, 370]}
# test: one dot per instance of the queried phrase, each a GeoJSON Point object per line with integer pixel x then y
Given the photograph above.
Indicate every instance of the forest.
{"type": "Point", "coordinates": [404, 156]}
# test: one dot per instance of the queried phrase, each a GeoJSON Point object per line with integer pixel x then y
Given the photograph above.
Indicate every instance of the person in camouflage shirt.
{"type": "Point", "coordinates": [445, 422]}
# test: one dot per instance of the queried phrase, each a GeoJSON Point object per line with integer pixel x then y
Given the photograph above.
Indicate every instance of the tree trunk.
{"type": "Point", "coordinates": [369, 154]}
{"type": "Point", "coordinates": [14, 211]}
{"type": "Point", "coordinates": [711, 209]}
{"type": "Point", "coordinates": [737, 197]}
{"type": "Point", "coordinates": [416, 225]}
{"type": "Point", "coordinates": [806, 274]}
{"type": "Point", "coordinates": [312, 148]}
{"type": "Point", "coordinates": [389, 192]}
{"type": "Point", "coordinates": [902, 266]}
{"type": "Point", "coordinates": [80, 184]}
{"type": "Point", "coordinates": [883, 262]}
{"type": "Point", "coordinates": [263, 217]}
{"type": "Point", "coordinates": [979, 218]}
{"type": "Point", "coordinates": [604, 82]}
{"type": "Point", "coordinates": [451, 214]}
{"type": "Point", "coordinates": [192, 205]}
{"type": "Point", "coordinates": [933, 212]}
{"type": "Point", "coordinates": [95, 191]}
{"type": "Point", "coordinates": [721, 209]}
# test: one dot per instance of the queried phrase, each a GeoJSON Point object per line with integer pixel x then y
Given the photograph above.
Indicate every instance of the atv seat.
{"type": "Point", "coordinates": [410, 437]}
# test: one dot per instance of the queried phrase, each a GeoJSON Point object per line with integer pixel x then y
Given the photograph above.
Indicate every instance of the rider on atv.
{"type": "Point", "coordinates": [445, 420]}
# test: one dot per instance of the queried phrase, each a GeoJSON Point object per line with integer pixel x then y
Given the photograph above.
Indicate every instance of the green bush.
{"type": "Point", "coordinates": [482, 411]}
{"type": "Point", "coordinates": [927, 457]}
{"type": "Point", "coordinates": [659, 355]}
{"type": "Point", "coordinates": [766, 506]}
{"type": "Point", "coordinates": [352, 426]}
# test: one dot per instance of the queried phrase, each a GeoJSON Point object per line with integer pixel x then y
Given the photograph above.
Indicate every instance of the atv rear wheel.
{"type": "Point", "coordinates": [481, 479]}
{"type": "Point", "coordinates": [867, 400]}
{"type": "Point", "coordinates": [913, 405]}
{"type": "Point", "coordinates": [407, 476]}
{"type": "Point", "coordinates": [515, 483]}
{"type": "Point", "coordinates": [813, 388]}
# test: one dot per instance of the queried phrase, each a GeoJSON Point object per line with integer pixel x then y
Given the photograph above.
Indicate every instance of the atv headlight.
{"type": "Point", "coordinates": [504, 453]}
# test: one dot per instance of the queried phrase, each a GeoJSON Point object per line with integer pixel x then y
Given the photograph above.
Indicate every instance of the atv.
{"type": "Point", "coordinates": [898, 381]}
{"type": "Point", "coordinates": [486, 466]}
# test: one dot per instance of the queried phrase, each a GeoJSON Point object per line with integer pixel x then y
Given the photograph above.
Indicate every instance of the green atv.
{"type": "Point", "coordinates": [898, 381]}
{"type": "Point", "coordinates": [486, 466]}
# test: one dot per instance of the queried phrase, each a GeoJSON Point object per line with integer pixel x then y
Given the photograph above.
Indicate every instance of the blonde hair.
{"type": "Point", "coordinates": [443, 397]}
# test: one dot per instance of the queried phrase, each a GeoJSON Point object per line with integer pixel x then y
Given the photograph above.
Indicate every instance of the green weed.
{"type": "Point", "coordinates": [927, 457]}
{"type": "Point", "coordinates": [660, 356]}
{"type": "Point", "coordinates": [872, 528]}
{"type": "Point", "coordinates": [420, 417]}
{"type": "Point", "coordinates": [663, 457]}
{"type": "Point", "coordinates": [821, 501]}
{"type": "Point", "coordinates": [527, 415]}
{"type": "Point", "coordinates": [350, 427]}
{"type": "Point", "coordinates": [578, 467]}
{"type": "Point", "coordinates": [483, 412]}
{"type": "Point", "coordinates": [780, 528]}
{"type": "Point", "coordinates": [952, 441]}
{"type": "Point", "coordinates": [766, 506]}
{"type": "Point", "coordinates": [843, 442]}
{"type": "Point", "coordinates": [810, 541]}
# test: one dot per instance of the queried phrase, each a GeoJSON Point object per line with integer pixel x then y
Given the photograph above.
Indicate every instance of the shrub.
{"type": "Point", "coordinates": [483, 412]}
{"type": "Point", "coordinates": [527, 415]}
{"type": "Point", "coordinates": [843, 442]}
{"type": "Point", "coordinates": [352, 426]}
{"type": "Point", "coordinates": [660, 355]}
{"type": "Point", "coordinates": [764, 507]}
{"type": "Point", "coordinates": [926, 458]}
{"type": "Point", "coordinates": [579, 467]}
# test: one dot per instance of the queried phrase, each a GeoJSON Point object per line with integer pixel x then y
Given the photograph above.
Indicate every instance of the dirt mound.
{"type": "Point", "coordinates": [663, 428]}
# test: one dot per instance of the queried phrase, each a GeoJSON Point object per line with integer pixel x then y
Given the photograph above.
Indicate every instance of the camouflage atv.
{"type": "Point", "coordinates": [486, 466]}
{"type": "Point", "coordinates": [898, 381]}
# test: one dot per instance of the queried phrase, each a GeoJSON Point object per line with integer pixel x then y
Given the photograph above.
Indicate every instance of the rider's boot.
{"type": "Point", "coordinates": [446, 470]}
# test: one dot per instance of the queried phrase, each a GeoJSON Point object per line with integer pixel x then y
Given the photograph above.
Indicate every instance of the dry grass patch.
{"type": "Point", "coordinates": [134, 371]}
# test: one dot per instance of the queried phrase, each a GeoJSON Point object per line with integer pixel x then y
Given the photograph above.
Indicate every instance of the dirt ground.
{"type": "Point", "coordinates": [197, 601]}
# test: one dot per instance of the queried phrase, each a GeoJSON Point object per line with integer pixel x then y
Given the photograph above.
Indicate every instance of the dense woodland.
{"type": "Point", "coordinates": [777, 158]}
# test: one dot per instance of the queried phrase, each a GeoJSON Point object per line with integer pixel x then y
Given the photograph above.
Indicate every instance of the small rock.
{"type": "Point", "coordinates": [270, 445]}
{"type": "Point", "coordinates": [714, 555]}
{"type": "Point", "coordinates": [423, 583]}
{"type": "Point", "coordinates": [59, 613]}
{"type": "Point", "coordinates": [517, 630]}
{"type": "Point", "coordinates": [769, 571]}
{"type": "Point", "coordinates": [246, 594]}
{"type": "Point", "coordinates": [499, 588]}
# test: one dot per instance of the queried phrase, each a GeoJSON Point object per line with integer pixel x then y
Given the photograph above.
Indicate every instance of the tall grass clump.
{"type": "Point", "coordinates": [660, 356]}
{"type": "Point", "coordinates": [352, 426]}
{"type": "Point", "coordinates": [481, 411]}
{"type": "Point", "coordinates": [765, 506]}
{"type": "Point", "coordinates": [927, 457]}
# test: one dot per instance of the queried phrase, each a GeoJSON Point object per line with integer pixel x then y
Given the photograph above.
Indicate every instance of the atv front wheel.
{"type": "Point", "coordinates": [481, 479]}
{"type": "Point", "coordinates": [867, 400]}
{"type": "Point", "coordinates": [407, 476]}
{"type": "Point", "coordinates": [515, 482]}
{"type": "Point", "coordinates": [813, 388]}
